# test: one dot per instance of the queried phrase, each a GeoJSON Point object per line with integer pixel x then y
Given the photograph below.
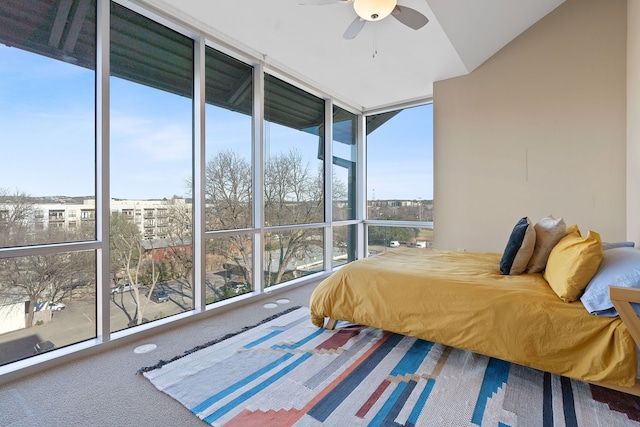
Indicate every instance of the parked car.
{"type": "Point", "coordinates": [238, 287]}
{"type": "Point", "coordinates": [48, 305]}
{"type": "Point", "coordinates": [122, 288]}
{"type": "Point", "coordinates": [39, 306]}
{"type": "Point", "coordinates": [56, 306]}
{"type": "Point", "coordinates": [44, 346]}
{"type": "Point", "coordinates": [159, 295]}
{"type": "Point", "coordinates": [394, 244]}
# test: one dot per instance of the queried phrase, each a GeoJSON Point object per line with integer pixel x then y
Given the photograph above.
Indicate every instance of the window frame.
{"type": "Point", "coordinates": [100, 213]}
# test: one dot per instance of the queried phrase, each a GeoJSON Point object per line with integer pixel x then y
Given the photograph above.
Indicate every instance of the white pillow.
{"type": "Point", "coordinates": [619, 267]}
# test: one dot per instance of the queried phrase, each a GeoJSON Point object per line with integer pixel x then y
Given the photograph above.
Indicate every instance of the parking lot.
{"type": "Point", "coordinates": [77, 321]}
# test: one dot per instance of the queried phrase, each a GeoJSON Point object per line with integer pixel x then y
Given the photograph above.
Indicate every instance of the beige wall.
{"type": "Point", "coordinates": [538, 129]}
{"type": "Point", "coordinates": [633, 121]}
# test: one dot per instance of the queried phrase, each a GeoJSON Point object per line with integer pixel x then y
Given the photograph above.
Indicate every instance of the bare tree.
{"type": "Point", "coordinates": [16, 218]}
{"type": "Point", "coordinates": [228, 189]}
{"type": "Point", "coordinates": [43, 277]}
{"type": "Point", "coordinates": [236, 251]}
{"type": "Point", "coordinates": [127, 256]}
{"type": "Point", "coordinates": [293, 195]}
{"type": "Point", "coordinates": [40, 278]}
{"type": "Point", "coordinates": [178, 244]}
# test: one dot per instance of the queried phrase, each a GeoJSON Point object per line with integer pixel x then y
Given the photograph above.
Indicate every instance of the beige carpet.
{"type": "Point", "coordinates": [105, 389]}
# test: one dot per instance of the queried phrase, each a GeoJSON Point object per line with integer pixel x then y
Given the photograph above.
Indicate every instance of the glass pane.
{"type": "Point", "coordinates": [406, 210]}
{"type": "Point", "coordinates": [58, 294]}
{"type": "Point", "coordinates": [47, 121]}
{"type": "Point", "coordinates": [289, 254]}
{"type": "Point", "coordinates": [151, 163]}
{"type": "Point", "coordinates": [344, 244]}
{"type": "Point", "coordinates": [229, 177]}
{"type": "Point", "coordinates": [400, 164]}
{"type": "Point", "coordinates": [229, 271]}
{"type": "Point", "coordinates": [381, 239]}
{"type": "Point", "coordinates": [344, 164]}
{"type": "Point", "coordinates": [294, 171]}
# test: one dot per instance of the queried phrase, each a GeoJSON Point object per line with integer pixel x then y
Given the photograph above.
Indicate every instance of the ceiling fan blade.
{"type": "Point", "coordinates": [316, 2]}
{"type": "Point", "coordinates": [410, 17]}
{"type": "Point", "coordinates": [354, 28]}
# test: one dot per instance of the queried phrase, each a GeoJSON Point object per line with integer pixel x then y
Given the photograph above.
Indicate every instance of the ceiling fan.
{"type": "Point", "coordinates": [375, 10]}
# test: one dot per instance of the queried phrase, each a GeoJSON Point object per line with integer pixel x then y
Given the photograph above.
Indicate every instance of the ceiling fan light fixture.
{"type": "Point", "coordinates": [374, 10]}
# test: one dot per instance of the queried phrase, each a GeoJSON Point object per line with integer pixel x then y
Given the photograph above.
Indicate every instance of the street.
{"type": "Point", "coordinates": [77, 321]}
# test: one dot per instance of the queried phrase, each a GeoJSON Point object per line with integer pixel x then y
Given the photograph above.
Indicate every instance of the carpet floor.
{"type": "Point", "coordinates": [286, 372]}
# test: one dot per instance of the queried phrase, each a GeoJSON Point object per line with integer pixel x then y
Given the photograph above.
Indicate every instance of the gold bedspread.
{"type": "Point", "coordinates": [460, 299]}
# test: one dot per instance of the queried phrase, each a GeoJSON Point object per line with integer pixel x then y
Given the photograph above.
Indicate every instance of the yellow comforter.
{"type": "Point", "coordinates": [460, 299]}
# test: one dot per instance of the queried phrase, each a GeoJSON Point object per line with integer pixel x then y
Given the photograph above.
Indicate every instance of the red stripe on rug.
{"type": "Point", "coordinates": [617, 401]}
{"type": "Point", "coordinates": [341, 337]}
{"type": "Point", "coordinates": [362, 412]}
{"type": "Point", "coordinates": [294, 415]}
{"type": "Point", "coordinates": [271, 417]}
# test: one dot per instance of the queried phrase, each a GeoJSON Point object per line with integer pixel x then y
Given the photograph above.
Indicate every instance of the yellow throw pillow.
{"type": "Point", "coordinates": [572, 263]}
{"type": "Point", "coordinates": [573, 229]}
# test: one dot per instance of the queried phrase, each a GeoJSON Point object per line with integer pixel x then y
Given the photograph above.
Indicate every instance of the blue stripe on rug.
{"type": "Point", "coordinates": [263, 339]}
{"type": "Point", "coordinates": [409, 363]}
{"type": "Point", "coordinates": [419, 406]}
{"type": "Point", "coordinates": [392, 407]}
{"type": "Point", "coordinates": [569, 408]}
{"type": "Point", "coordinates": [413, 359]}
{"type": "Point", "coordinates": [255, 390]}
{"type": "Point", "coordinates": [335, 397]}
{"type": "Point", "coordinates": [248, 379]}
{"type": "Point", "coordinates": [299, 343]}
{"type": "Point", "coordinates": [238, 385]}
{"type": "Point", "coordinates": [278, 332]}
{"type": "Point", "coordinates": [496, 374]}
{"type": "Point", "coordinates": [547, 401]}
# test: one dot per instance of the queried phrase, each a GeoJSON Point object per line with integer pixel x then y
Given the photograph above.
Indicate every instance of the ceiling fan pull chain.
{"type": "Point", "coordinates": [375, 40]}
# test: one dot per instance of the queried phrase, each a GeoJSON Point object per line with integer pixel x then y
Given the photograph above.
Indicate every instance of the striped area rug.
{"type": "Point", "coordinates": [286, 372]}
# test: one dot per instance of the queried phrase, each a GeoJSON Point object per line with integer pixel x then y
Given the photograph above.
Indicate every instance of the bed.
{"type": "Point", "coordinates": [461, 299]}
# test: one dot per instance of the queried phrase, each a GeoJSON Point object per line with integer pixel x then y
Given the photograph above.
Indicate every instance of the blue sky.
{"type": "Point", "coordinates": [400, 156]}
{"type": "Point", "coordinates": [39, 121]}
{"type": "Point", "coordinates": [47, 137]}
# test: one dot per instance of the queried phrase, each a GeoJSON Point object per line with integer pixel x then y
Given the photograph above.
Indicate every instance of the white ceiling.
{"type": "Point", "coordinates": [306, 42]}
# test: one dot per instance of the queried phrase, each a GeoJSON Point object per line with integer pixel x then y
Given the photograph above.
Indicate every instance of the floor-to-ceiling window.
{"type": "Point", "coordinates": [400, 179]}
{"type": "Point", "coordinates": [151, 158]}
{"type": "Point", "coordinates": [228, 176]}
{"type": "Point", "coordinates": [47, 176]}
{"type": "Point", "coordinates": [103, 154]}
{"type": "Point", "coordinates": [293, 182]}
{"type": "Point", "coordinates": [344, 185]}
